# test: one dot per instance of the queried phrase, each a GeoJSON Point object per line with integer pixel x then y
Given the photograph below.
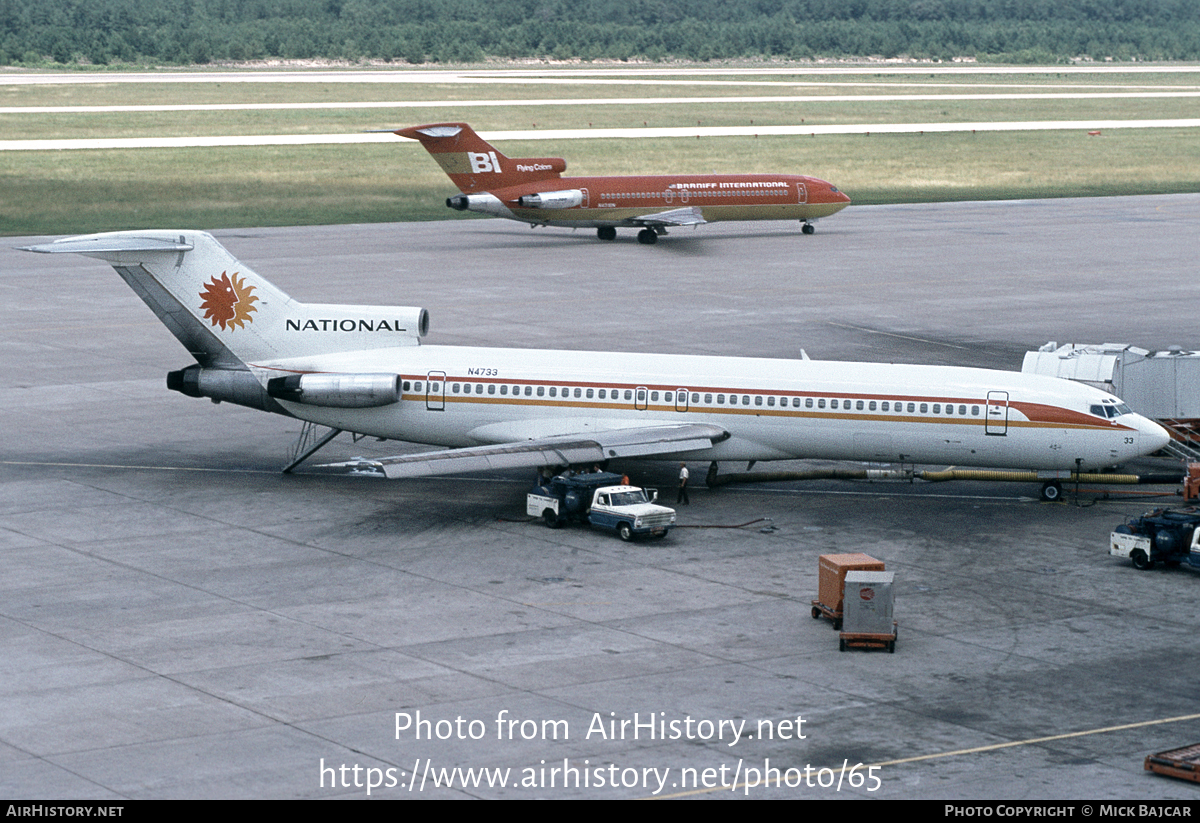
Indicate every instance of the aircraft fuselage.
{"type": "Point", "coordinates": [773, 409]}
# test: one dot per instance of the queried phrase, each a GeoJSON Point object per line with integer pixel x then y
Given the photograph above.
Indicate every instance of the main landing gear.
{"type": "Point", "coordinates": [606, 233]}
{"type": "Point", "coordinates": [808, 228]}
{"type": "Point", "coordinates": [650, 236]}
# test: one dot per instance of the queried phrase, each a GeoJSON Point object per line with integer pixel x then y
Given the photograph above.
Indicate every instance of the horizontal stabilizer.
{"type": "Point", "coordinates": [94, 244]}
{"type": "Point", "coordinates": [596, 447]}
{"type": "Point", "coordinates": [690, 216]}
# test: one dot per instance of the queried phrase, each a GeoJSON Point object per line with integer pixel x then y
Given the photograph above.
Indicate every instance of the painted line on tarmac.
{"type": "Point", "coordinates": [598, 101]}
{"type": "Point", "coordinates": [596, 134]}
{"type": "Point", "coordinates": [956, 753]}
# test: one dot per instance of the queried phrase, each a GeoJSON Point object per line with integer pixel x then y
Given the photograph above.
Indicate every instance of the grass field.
{"type": "Point", "coordinates": [63, 192]}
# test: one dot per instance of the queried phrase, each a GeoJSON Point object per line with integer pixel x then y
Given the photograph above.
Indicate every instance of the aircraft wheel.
{"type": "Point", "coordinates": [625, 532]}
{"type": "Point", "coordinates": [606, 233]}
{"type": "Point", "coordinates": [1051, 491]}
{"type": "Point", "coordinates": [648, 237]}
{"type": "Point", "coordinates": [1140, 561]}
{"type": "Point", "coordinates": [808, 228]}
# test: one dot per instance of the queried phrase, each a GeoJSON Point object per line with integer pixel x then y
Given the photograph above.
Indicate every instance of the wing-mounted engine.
{"type": "Point", "coordinates": [343, 391]}
{"type": "Point", "coordinates": [566, 199]}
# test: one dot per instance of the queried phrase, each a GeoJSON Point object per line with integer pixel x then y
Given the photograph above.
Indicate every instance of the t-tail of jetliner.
{"type": "Point", "coordinates": [363, 369]}
{"type": "Point", "coordinates": [474, 164]}
{"type": "Point", "coordinates": [532, 190]}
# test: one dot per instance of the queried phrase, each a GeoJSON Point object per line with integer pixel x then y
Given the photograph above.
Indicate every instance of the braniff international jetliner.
{"type": "Point", "coordinates": [364, 369]}
{"type": "Point", "coordinates": [533, 191]}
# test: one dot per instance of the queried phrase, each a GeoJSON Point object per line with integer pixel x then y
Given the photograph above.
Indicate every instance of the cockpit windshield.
{"type": "Point", "coordinates": [1110, 410]}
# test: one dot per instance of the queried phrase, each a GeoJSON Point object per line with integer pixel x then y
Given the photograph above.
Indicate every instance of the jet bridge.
{"type": "Point", "coordinates": [1161, 385]}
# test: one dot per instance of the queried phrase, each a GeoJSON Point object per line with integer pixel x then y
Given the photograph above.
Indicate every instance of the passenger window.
{"type": "Point", "coordinates": [859, 405]}
{"type": "Point", "coordinates": [758, 400]}
{"type": "Point", "coordinates": [871, 407]}
{"type": "Point", "coordinates": [629, 394]}
{"type": "Point", "coordinates": [578, 393]}
{"type": "Point", "coordinates": [653, 395]}
{"type": "Point", "coordinates": [589, 393]}
{"type": "Point", "coordinates": [962, 409]}
{"type": "Point", "coordinates": [708, 399]}
{"type": "Point", "coordinates": [417, 386]}
{"type": "Point", "coordinates": [492, 388]}
{"type": "Point", "coordinates": [912, 407]}
{"type": "Point", "coordinates": [937, 408]}
{"type": "Point", "coordinates": [456, 388]}
{"type": "Point", "coordinates": [884, 406]}
{"type": "Point", "coordinates": [720, 399]}
{"type": "Point", "coordinates": [695, 397]}
{"type": "Point", "coordinates": [833, 404]}
{"type": "Point", "coordinates": [924, 408]}
{"type": "Point", "coordinates": [745, 400]}
{"type": "Point", "coordinates": [529, 391]}
{"type": "Point", "coordinates": [821, 403]}
{"type": "Point", "coordinates": [553, 391]}
{"type": "Point", "coordinates": [542, 391]}
{"type": "Point", "coordinates": [407, 385]}
{"type": "Point", "coordinates": [504, 389]}
{"type": "Point", "coordinates": [603, 394]}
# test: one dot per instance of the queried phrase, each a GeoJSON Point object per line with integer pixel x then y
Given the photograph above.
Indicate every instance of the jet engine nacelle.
{"type": "Point", "coordinates": [482, 203]}
{"type": "Point", "coordinates": [343, 391]}
{"type": "Point", "coordinates": [568, 199]}
{"type": "Point", "coordinates": [237, 386]}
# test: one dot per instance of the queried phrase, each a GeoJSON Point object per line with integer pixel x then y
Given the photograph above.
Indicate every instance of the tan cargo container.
{"type": "Point", "coordinates": [831, 581]}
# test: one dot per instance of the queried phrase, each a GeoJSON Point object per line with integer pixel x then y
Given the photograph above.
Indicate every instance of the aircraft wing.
{"type": "Point", "coordinates": [594, 447]}
{"type": "Point", "coordinates": [690, 216]}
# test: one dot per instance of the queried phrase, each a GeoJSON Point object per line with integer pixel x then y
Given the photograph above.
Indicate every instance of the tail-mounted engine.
{"type": "Point", "coordinates": [343, 391]}
{"type": "Point", "coordinates": [567, 199]}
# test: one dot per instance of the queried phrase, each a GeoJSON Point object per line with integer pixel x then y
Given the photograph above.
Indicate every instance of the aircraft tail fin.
{"type": "Point", "coordinates": [224, 313]}
{"type": "Point", "coordinates": [474, 164]}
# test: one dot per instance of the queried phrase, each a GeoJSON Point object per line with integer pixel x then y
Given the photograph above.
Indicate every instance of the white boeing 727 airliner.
{"type": "Point", "coordinates": [363, 369]}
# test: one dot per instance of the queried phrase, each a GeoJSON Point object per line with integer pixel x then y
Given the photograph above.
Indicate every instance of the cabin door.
{"type": "Point", "coordinates": [681, 400]}
{"type": "Point", "coordinates": [996, 421]}
{"type": "Point", "coordinates": [435, 394]}
{"type": "Point", "coordinates": [801, 193]}
{"type": "Point", "coordinates": [640, 398]}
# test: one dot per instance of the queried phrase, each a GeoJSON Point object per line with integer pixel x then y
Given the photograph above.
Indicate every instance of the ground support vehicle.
{"type": "Point", "coordinates": [1182, 763]}
{"type": "Point", "coordinates": [831, 582]}
{"type": "Point", "coordinates": [602, 500]}
{"type": "Point", "coordinates": [1171, 536]}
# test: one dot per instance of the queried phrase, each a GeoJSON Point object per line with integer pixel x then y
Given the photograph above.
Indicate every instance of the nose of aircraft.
{"type": "Point", "coordinates": [1152, 436]}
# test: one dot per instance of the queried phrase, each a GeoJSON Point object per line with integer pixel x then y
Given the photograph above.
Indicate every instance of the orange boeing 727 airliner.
{"type": "Point", "coordinates": [533, 191]}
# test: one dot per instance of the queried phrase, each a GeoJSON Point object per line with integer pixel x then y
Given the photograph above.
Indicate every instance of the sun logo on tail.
{"type": "Point", "coordinates": [227, 301]}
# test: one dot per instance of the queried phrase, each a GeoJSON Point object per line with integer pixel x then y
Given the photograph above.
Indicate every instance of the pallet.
{"type": "Point", "coordinates": [1182, 763]}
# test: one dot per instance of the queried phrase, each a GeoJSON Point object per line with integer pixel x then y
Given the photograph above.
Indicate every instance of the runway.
{"type": "Point", "coordinates": [178, 620]}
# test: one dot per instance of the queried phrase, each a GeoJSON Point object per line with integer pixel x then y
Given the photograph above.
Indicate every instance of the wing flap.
{"type": "Point", "coordinates": [646, 441]}
{"type": "Point", "coordinates": [690, 216]}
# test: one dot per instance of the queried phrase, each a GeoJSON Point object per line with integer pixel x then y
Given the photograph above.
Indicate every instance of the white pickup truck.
{"type": "Point", "coordinates": [602, 500]}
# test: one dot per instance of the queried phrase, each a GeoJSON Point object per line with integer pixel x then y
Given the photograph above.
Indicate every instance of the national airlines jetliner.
{"type": "Point", "coordinates": [363, 369]}
{"type": "Point", "coordinates": [533, 191]}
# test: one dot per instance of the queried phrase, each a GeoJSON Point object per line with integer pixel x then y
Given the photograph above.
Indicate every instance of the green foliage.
{"type": "Point", "coordinates": [201, 31]}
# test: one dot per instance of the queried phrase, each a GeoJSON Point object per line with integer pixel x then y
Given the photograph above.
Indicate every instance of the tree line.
{"type": "Point", "coordinates": [181, 32]}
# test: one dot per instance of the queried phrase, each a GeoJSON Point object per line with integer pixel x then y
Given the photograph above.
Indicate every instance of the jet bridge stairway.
{"type": "Point", "coordinates": [1185, 440]}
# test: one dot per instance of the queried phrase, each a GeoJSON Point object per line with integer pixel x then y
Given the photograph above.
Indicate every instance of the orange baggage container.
{"type": "Point", "coordinates": [831, 582]}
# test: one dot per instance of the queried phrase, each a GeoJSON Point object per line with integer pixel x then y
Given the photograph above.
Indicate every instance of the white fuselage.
{"type": "Point", "coordinates": [773, 409]}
